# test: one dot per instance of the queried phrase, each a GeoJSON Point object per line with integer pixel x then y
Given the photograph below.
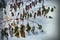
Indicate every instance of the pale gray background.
{"type": "Point", "coordinates": [58, 3]}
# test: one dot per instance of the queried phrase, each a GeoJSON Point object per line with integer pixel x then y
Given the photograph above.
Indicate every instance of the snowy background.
{"type": "Point", "coordinates": [49, 25]}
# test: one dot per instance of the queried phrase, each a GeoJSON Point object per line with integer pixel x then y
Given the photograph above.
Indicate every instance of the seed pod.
{"type": "Point", "coordinates": [28, 28]}
{"type": "Point", "coordinates": [35, 15]}
{"type": "Point", "coordinates": [46, 11]}
{"type": "Point", "coordinates": [52, 9]}
{"type": "Point", "coordinates": [30, 5]}
{"type": "Point", "coordinates": [18, 4]}
{"type": "Point", "coordinates": [18, 14]}
{"type": "Point", "coordinates": [40, 27]}
{"type": "Point", "coordinates": [17, 34]}
{"type": "Point", "coordinates": [22, 33]}
{"type": "Point", "coordinates": [43, 9]}
{"type": "Point", "coordinates": [10, 5]}
{"type": "Point", "coordinates": [22, 27]}
{"type": "Point", "coordinates": [22, 30]}
{"type": "Point", "coordinates": [16, 29]}
{"type": "Point", "coordinates": [42, 31]}
{"type": "Point", "coordinates": [15, 7]}
{"type": "Point", "coordinates": [38, 13]}
{"type": "Point", "coordinates": [27, 7]}
{"type": "Point", "coordinates": [21, 17]}
{"type": "Point", "coordinates": [17, 18]}
{"type": "Point", "coordinates": [50, 17]}
{"type": "Point", "coordinates": [33, 29]}
{"type": "Point", "coordinates": [12, 14]}
{"type": "Point", "coordinates": [5, 12]}
{"type": "Point", "coordinates": [30, 15]}
{"type": "Point", "coordinates": [33, 3]}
